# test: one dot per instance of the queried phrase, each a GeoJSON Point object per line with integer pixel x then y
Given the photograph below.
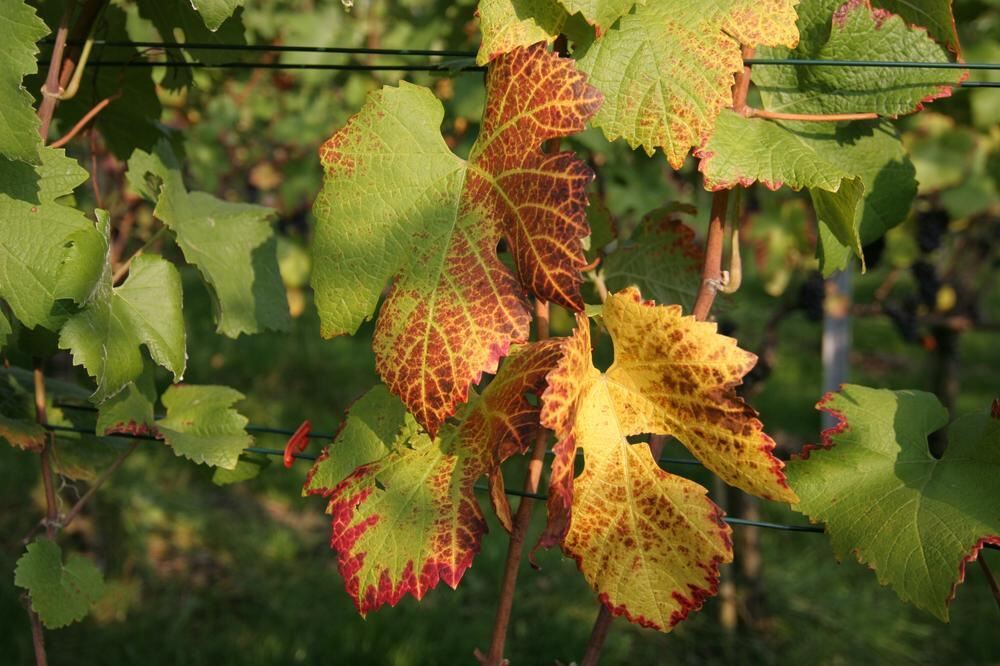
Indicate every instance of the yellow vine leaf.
{"type": "Point", "coordinates": [650, 543]}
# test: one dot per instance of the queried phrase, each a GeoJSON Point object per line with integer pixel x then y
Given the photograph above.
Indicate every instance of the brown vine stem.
{"type": "Point", "coordinates": [98, 482]}
{"type": "Point", "coordinates": [711, 277]}
{"type": "Point", "coordinates": [522, 519]}
{"type": "Point", "coordinates": [87, 117]}
{"type": "Point", "coordinates": [51, 89]}
{"type": "Point", "coordinates": [123, 269]}
{"type": "Point", "coordinates": [990, 580]}
{"type": "Point", "coordinates": [41, 417]}
{"type": "Point", "coordinates": [751, 112]}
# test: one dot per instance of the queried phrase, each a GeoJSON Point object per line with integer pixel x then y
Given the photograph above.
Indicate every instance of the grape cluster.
{"type": "Point", "coordinates": [931, 226]}
{"type": "Point", "coordinates": [928, 282]}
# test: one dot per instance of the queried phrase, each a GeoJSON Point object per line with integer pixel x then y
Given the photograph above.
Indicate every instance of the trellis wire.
{"type": "Point", "coordinates": [268, 430]}
{"type": "Point", "coordinates": [482, 488]}
{"type": "Point", "coordinates": [442, 68]}
{"type": "Point", "coordinates": [265, 48]}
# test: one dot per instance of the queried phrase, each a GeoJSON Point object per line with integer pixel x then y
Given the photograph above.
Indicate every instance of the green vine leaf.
{"type": "Point", "coordinates": [60, 593]}
{"type": "Point", "coordinates": [662, 259]}
{"type": "Point", "coordinates": [854, 30]}
{"type": "Point", "coordinates": [195, 21]}
{"type": "Point", "coordinates": [50, 254]}
{"type": "Point", "coordinates": [5, 330]}
{"type": "Point", "coordinates": [19, 124]}
{"type": "Point", "coordinates": [231, 244]}
{"type": "Point", "coordinates": [249, 466]}
{"type": "Point", "coordinates": [215, 12]}
{"type": "Point", "coordinates": [371, 430]}
{"type": "Point", "coordinates": [601, 13]}
{"type": "Point", "coordinates": [409, 519]}
{"type": "Point", "coordinates": [130, 411]}
{"type": "Point", "coordinates": [859, 175]}
{"type": "Point", "coordinates": [667, 69]}
{"type": "Point", "coordinates": [107, 334]}
{"type": "Point", "coordinates": [934, 15]}
{"type": "Point", "coordinates": [914, 519]}
{"type": "Point", "coordinates": [201, 424]}
{"type": "Point", "coordinates": [398, 205]}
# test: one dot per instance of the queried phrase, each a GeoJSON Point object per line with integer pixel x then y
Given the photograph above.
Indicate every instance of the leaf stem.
{"type": "Point", "coordinates": [37, 635]}
{"type": "Point", "coordinates": [98, 482]}
{"type": "Point", "coordinates": [522, 519]}
{"type": "Point", "coordinates": [51, 88]}
{"type": "Point", "coordinates": [87, 117]}
{"type": "Point", "coordinates": [123, 269]}
{"type": "Point", "coordinates": [41, 417]}
{"type": "Point", "coordinates": [990, 580]}
{"type": "Point", "coordinates": [751, 112]}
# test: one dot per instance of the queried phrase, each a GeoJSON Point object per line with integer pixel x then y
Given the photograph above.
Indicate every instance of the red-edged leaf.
{"type": "Point", "coordinates": [397, 204]}
{"type": "Point", "coordinates": [405, 522]}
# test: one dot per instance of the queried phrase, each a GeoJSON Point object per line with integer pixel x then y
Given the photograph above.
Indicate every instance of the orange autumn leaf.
{"type": "Point", "coordinates": [397, 205]}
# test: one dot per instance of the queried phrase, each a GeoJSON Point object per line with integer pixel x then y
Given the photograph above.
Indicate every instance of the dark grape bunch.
{"type": "Point", "coordinates": [928, 283]}
{"type": "Point", "coordinates": [931, 226]}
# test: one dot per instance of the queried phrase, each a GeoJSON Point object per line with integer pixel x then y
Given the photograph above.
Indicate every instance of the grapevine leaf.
{"type": "Point", "coordinates": [76, 455]}
{"type": "Point", "coordinates": [49, 253]}
{"type": "Point", "coordinates": [410, 519]}
{"type": "Point", "coordinates": [131, 410]}
{"type": "Point", "coordinates": [663, 261]}
{"type": "Point", "coordinates": [842, 165]}
{"type": "Point", "coordinates": [214, 12]}
{"type": "Point", "coordinates": [105, 337]}
{"type": "Point", "coordinates": [396, 203]}
{"type": "Point", "coordinates": [914, 519]}
{"type": "Point", "coordinates": [202, 425]}
{"type": "Point", "coordinates": [22, 433]}
{"type": "Point", "coordinates": [370, 432]}
{"type": "Point", "coordinates": [934, 15]}
{"type": "Point", "coordinates": [601, 13]}
{"type": "Point", "coordinates": [181, 21]}
{"type": "Point", "coordinates": [5, 330]}
{"type": "Point", "coordinates": [510, 24]}
{"type": "Point", "coordinates": [855, 31]}
{"type": "Point", "coordinates": [667, 69]}
{"type": "Point", "coordinates": [60, 593]}
{"type": "Point", "coordinates": [19, 138]}
{"type": "Point", "coordinates": [231, 244]}
{"type": "Point", "coordinates": [649, 542]}
{"type": "Point", "coordinates": [249, 466]}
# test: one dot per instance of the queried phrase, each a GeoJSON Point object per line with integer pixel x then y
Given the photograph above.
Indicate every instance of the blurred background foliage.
{"type": "Point", "coordinates": [242, 574]}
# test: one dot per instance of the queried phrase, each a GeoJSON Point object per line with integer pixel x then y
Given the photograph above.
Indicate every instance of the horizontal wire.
{"type": "Point", "coordinates": [905, 64]}
{"type": "Point", "coordinates": [266, 430]}
{"type": "Point", "coordinates": [279, 48]}
{"type": "Point", "coordinates": [313, 435]}
{"type": "Point", "coordinates": [265, 48]}
{"type": "Point", "coordinates": [440, 68]}
{"type": "Point", "coordinates": [509, 491]}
